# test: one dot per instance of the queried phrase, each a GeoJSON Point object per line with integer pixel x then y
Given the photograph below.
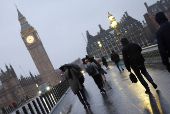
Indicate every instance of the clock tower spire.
{"type": "Point", "coordinates": [37, 51]}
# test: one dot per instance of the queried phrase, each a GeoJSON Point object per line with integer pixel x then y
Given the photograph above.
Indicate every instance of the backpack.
{"type": "Point", "coordinates": [91, 70]}
{"type": "Point", "coordinates": [79, 75]}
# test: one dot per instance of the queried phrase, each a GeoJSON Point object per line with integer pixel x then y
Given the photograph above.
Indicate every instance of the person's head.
{"type": "Point", "coordinates": [124, 41]}
{"type": "Point", "coordinates": [86, 61]}
{"type": "Point", "coordinates": [113, 52]}
{"type": "Point", "coordinates": [160, 18]}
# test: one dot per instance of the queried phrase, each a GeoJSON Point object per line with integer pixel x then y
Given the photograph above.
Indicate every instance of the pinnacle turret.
{"type": "Point", "coordinates": [88, 34]}
{"type": "Point", "coordinates": [23, 22]}
{"type": "Point", "coordinates": [101, 29]}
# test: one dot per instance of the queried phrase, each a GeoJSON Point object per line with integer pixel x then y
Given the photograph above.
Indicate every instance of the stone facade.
{"type": "Point", "coordinates": [128, 27]}
{"type": "Point", "coordinates": [36, 49]}
{"type": "Point", "coordinates": [11, 88]}
{"type": "Point", "coordinates": [162, 5]}
{"type": "Point", "coordinates": [14, 89]}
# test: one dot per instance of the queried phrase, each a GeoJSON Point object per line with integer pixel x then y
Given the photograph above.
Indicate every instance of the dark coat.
{"type": "Point", "coordinates": [73, 80]}
{"type": "Point", "coordinates": [115, 57]}
{"type": "Point", "coordinates": [163, 37]}
{"type": "Point", "coordinates": [132, 56]}
{"type": "Point", "coordinates": [104, 61]}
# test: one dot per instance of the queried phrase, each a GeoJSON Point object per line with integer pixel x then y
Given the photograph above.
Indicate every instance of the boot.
{"type": "Point", "coordinates": [148, 91]}
{"type": "Point", "coordinates": [88, 105]}
{"type": "Point", "coordinates": [154, 85]}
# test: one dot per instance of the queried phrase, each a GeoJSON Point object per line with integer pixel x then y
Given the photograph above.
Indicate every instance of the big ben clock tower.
{"type": "Point", "coordinates": [36, 49]}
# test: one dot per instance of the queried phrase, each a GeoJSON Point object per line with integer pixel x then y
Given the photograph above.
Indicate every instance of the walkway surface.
{"type": "Point", "coordinates": [122, 96]}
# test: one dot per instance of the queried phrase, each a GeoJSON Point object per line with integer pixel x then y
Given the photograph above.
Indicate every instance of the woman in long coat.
{"type": "Point", "coordinates": [71, 75]}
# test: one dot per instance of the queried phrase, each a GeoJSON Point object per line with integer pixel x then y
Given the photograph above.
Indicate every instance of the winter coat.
{"type": "Point", "coordinates": [92, 64]}
{"type": "Point", "coordinates": [132, 56]}
{"type": "Point", "coordinates": [115, 57]}
{"type": "Point", "coordinates": [104, 61]}
{"type": "Point", "coordinates": [73, 80]}
{"type": "Point", "coordinates": [163, 37]}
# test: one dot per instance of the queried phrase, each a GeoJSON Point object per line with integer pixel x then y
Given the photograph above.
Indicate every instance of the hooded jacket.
{"type": "Point", "coordinates": [131, 55]}
{"type": "Point", "coordinates": [115, 57]}
{"type": "Point", "coordinates": [163, 37]}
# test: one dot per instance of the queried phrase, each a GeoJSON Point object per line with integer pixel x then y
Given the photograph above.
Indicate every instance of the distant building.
{"type": "Point", "coordinates": [128, 27]}
{"type": "Point", "coordinates": [14, 89]}
{"type": "Point", "coordinates": [162, 5]}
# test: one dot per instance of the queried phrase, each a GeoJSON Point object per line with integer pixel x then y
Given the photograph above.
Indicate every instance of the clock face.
{"type": "Point", "coordinates": [30, 39]}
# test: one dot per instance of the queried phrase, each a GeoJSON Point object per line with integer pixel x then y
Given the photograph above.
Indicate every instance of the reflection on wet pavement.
{"type": "Point", "coordinates": [124, 97]}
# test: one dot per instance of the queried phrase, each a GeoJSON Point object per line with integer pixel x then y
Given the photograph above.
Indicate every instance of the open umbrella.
{"type": "Point", "coordinates": [70, 66]}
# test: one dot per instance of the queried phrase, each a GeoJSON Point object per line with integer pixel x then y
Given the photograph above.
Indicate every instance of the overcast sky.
{"type": "Point", "coordinates": [60, 24]}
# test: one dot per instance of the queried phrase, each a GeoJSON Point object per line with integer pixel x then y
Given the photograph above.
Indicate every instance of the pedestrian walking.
{"type": "Point", "coordinates": [134, 59]}
{"type": "Point", "coordinates": [104, 62]}
{"type": "Point", "coordinates": [71, 74]}
{"type": "Point", "coordinates": [100, 69]}
{"type": "Point", "coordinates": [163, 39]}
{"type": "Point", "coordinates": [115, 58]}
{"type": "Point", "coordinates": [91, 69]}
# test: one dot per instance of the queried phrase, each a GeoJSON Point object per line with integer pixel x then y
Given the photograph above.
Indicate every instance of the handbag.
{"type": "Point", "coordinates": [133, 78]}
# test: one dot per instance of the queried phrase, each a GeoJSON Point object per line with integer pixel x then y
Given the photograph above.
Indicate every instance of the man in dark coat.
{"type": "Point", "coordinates": [115, 58]}
{"type": "Point", "coordinates": [133, 59]}
{"type": "Point", "coordinates": [163, 38]}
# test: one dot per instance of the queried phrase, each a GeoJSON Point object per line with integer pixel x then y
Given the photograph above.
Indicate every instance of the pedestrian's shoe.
{"type": "Point", "coordinates": [102, 90]}
{"type": "Point", "coordinates": [154, 85]}
{"type": "Point", "coordinates": [122, 69]}
{"type": "Point", "coordinates": [148, 91]}
{"type": "Point", "coordinates": [88, 105]}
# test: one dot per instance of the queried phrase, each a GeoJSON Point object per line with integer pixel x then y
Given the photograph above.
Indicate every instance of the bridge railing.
{"type": "Point", "coordinates": [151, 55]}
{"type": "Point", "coordinates": [44, 103]}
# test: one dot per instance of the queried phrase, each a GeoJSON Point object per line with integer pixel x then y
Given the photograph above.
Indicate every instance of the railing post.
{"type": "Point", "coordinates": [30, 107]}
{"type": "Point", "coordinates": [42, 110]}
{"type": "Point", "coordinates": [47, 102]}
{"type": "Point", "coordinates": [36, 108]}
{"type": "Point", "coordinates": [46, 109]}
{"type": "Point", "coordinates": [17, 112]}
{"type": "Point", "coordinates": [47, 95]}
{"type": "Point", "coordinates": [50, 96]}
{"type": "Point", "coordinates": [24, 110]}
{"type": "Point", "coordinates": [54, 95]}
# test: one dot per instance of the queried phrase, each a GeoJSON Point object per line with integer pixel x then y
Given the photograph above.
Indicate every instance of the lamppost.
{"type": "Point", "coordinates": [113, 23]}
{"type": "Point", "coordinates": [100, 45]}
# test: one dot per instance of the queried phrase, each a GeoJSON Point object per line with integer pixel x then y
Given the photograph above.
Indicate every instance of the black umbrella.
{"type": "Point", "coordinates": [70, 66]}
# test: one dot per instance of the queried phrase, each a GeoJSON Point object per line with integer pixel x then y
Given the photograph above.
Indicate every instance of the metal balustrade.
{"type": "Point", "coordinates": [44, 103]}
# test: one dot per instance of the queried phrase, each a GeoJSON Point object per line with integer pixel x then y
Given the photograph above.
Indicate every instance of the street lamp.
{"type": "Point", "coordinates": [113, 22]}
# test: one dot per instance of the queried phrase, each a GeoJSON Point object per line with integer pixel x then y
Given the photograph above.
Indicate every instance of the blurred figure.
{"type": "Point", "coordinates": [133, 59]}
{"type": "Point", "coordinates": [162, 35]}
{"type": "Point", "coordinates": [91, 69]}
{"type": "Point", "coordinates": [115, 58]}
{"type": "Point", "coordinates": [104, 62]}
{"type": "Point", "coordinates": [71, 75]}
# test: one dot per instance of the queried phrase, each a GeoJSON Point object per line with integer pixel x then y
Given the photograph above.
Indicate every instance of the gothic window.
{"type": "Point", "coordinates": [2, 100]}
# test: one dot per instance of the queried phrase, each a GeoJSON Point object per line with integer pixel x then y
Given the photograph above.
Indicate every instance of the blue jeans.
{"type": "Point", "coordinates": [119, 65]}
{"type": "Point", "coordinates": [143, 70]}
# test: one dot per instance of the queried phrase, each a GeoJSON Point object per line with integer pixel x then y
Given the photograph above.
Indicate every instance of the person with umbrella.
{"type": "Point", "coordinates": [104, 62]}
{"type": "Point", "coordinates": [72, 75]}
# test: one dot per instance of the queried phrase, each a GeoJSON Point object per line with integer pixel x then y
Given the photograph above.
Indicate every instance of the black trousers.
{"type": "Point", "coordinates": [98, 80]}
{"type": "Point", "coordinates": [82, 97]}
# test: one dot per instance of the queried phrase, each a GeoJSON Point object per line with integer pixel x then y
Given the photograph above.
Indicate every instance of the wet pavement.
{"type": "Point", "coordinates": [122, 97]}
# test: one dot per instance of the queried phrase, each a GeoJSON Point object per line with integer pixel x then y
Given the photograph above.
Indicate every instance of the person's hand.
{"type": "Point", "coordinates": [168, 68]}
